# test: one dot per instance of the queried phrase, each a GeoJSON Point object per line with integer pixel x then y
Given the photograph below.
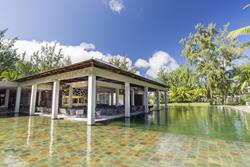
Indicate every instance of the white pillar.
{"type": "Point", "coordinates": [117, 97]}
{"type": "Point", "coordinates": [157, 99]}
{"type": "Point", "coordinates": [39, 98]}
{"type": "Point", "coordinates": [33, 99]}
{"type": "Point", "coordinates": [91, 99]}
{"type": "Point", "coordinates": [132, 97]}
{"type": "Point", "coordinates": [55, 99]}
{"type": "Point", "coordinates": [110, 99]}
{"type": "Point", "coordinates": [7, 96]}
{"type": "Point", "coordinates": [146, 99]}
{"type": "Point", "coordinates": [166, 100]}
{"type": "Point", "coordinates": [70, 96]}
{"type": "Point", "coordinates": [18, 97]}
{"type": "Point", "coordinates": [127, 99]}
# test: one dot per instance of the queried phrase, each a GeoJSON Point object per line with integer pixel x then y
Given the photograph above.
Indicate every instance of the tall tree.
{"type": "Point", "coordinates": [212, 53]}
{"type": "Point", "coordinates": [184, 84]}
{"type": "Point", "coordinates": [8, 55]}
{"type": "Point", "coordinates": [243, 76]}
{"type": "Point", "coordinates": [182, 76]}
{"type": "Point", "coordinates": [47, 58]}
{"type": "Point", "coordinates": [122, 63]}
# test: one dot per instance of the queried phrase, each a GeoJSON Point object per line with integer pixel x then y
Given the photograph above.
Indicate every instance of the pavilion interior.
{"type": "Point", "coordinates": [8, 104]}
{"type": "Point", "coordinates": [73, 98]}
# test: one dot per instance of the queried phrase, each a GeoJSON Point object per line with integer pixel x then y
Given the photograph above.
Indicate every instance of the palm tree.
{"type": "Point", "coordinates": [241, 31]}
{"type": "Point", "coordinates": [244, 76]}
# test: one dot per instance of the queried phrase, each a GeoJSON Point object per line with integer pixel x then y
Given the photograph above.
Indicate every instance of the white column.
{"type": "Point", "coordinates": [7, 96]}
{"type": "Point", "coordinates": [70, 96]}
{"type": "Point", "coordinates": [146, 99]}
{"type": "Point", "coordinates": [166, 100]}
{"type": "Point", "coordinates": [157, 99]}
{"type": "Point", "coordinates": [117, 97]}
{"type": "Point", "coordinates": [127, 99]}
{"type": "Point", "coordinates": [33, 99]}
{"type": "Point", "coordinates": [132, 97]}
{"type": "Point", "coordinates": [91, 99]}
{"type": "Point", "coordinates": [39, 97]}
{"type": "Point", "coordinates": [110, 99]}
{"type": "Point", "coordinates": [18, 97]}
{"type": "Point", "coordinates": [55, 99]}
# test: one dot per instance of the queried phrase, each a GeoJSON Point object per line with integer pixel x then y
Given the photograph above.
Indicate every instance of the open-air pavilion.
{"type": "Point", "coordinates": [91, 91]}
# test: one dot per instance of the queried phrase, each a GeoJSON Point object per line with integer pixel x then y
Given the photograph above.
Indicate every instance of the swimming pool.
{"type": "Point", "coordinates": [181, 136]}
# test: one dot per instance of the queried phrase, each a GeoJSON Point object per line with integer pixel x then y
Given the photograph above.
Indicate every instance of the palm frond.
{"type": "Point", "coordinates": [240, 31]}
{"type": "Point", "coordinates": [244, 85]}
{"type": "Point", "coordinates": [247, 6]}
{"type": "Point", "coordinates": [244, 46]}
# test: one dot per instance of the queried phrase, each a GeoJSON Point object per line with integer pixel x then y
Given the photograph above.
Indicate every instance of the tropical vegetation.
{"type": "Point", "coordinates": [213, 73]}
{"type": "Point", "coordinates": [122, 63]}
{"type": "Point", "coordinates": [241, 31]}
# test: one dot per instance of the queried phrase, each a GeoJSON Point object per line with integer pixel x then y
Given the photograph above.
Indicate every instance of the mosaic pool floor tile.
{"type": "Point", "coordinates": [38, 141]}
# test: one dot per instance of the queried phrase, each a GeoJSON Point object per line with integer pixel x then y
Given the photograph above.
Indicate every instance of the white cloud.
{"type": "Point", "coordinates": [85, 51]}
{"type": "Point", "coordinates": [159, 59]}
{"type": "Point", "coordinates": [141, 63]}
{"type": "Point", "coordinates": [116, 5]}
{"type": "Point", "coordinates": [77, 53]}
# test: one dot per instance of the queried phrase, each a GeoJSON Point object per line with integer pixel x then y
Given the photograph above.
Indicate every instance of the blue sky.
{"type": "Point", "coordinates": [137, 28]}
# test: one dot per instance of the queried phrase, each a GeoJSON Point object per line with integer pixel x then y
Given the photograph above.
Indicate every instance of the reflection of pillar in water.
{"type": "Point", "coordinates": [29, 130]}
{"type": "Point", "coordinates": [158, 117]}
{"type": "Point", "coordinates": [51, 138]}
{"type": "Point", "coordinates": [127, 122]}
{"type": "Point", "coordinates": [89, 148]}
{"type": "Point", "coordinates": [245, 120]}
{"type": "Point", "coordinates": [146, 121]}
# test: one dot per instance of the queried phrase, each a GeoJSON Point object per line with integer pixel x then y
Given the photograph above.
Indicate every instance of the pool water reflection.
{"type": "Point", "coordinates": [222, 123]}
{"type": "Point", "coordinates": [197, 136]}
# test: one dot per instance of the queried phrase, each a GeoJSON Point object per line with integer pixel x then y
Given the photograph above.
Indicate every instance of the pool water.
{"type": "Point", "coordinates": [181, 136]}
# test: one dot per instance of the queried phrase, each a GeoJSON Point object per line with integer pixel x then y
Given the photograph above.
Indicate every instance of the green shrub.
{"type": "Point", "coordinates": [246, 97]}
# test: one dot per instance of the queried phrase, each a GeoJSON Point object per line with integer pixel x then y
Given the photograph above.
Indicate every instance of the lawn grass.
{"type": "Point", "coordinates": [188, 104]}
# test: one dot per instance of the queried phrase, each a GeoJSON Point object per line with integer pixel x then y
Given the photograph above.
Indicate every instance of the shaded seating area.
{"type": "Point", "coordinates": [107, 110]}
{"type": "Point", "coordinates": [43, 110]}
{"type": "Point", "coordinates": [79, 112]}
{"type": "Point", "coordinates": [3, 109]}
{"type": "Point", "coordinates": [137, 108]}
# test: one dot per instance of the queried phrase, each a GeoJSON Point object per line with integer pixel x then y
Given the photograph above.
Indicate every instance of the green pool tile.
{"type": "Point", "coordinates": [113, 144]}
